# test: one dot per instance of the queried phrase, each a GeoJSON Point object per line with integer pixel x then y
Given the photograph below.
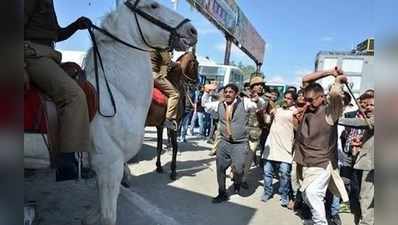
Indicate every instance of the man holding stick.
{"type": "Point", "coordinates": [316, 146]}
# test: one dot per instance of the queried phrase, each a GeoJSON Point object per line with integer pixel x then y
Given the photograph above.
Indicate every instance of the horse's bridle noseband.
{"type": "Point", "coordinates": [173, 30]}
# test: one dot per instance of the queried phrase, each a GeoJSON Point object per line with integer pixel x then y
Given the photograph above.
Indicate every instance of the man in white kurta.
{"type": "Point", "coordinates": [278, 149]}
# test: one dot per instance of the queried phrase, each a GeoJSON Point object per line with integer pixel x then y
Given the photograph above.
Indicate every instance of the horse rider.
{"type": "Point", "coordinates": [42, 68]}
{"type": "Point", "coordinates": [161, 66]}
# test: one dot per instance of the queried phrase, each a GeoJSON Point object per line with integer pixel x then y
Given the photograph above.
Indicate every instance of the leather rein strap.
{"type": "Point", "coordinates": [97, 55]}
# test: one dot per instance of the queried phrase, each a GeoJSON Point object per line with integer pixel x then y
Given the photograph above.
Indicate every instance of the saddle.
{"type": "Point", "coordinates": [35, 113]}
{"type": "Point", "coordinates": [158, 97]}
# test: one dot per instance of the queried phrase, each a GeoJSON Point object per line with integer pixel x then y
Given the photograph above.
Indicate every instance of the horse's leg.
{"type": "Point", "coordinates": [109, 174]}
{"type": "Point", "coordinates": [159, 148]}
{"type": "Point", "coordinates": [173, 138]}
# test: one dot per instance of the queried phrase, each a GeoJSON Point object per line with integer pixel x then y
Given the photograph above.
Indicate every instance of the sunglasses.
{"type": "Point", "coordinates": [310, 100]}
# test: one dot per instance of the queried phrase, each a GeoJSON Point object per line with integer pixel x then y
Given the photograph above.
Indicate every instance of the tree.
{"type": "Point", "coordinates": [247, 70]}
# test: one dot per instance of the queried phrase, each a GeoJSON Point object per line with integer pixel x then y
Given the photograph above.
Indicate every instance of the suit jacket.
{"type": "Point", "coordinates": [365, 158]}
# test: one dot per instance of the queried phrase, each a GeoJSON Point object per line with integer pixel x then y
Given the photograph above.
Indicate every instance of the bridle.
{"type": "Point", "coordinates": [174, 36]}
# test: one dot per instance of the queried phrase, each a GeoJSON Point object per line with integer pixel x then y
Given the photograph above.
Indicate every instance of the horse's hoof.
{"type": "Point", "coordinates": [173, 176]}
{"type": "Point", "coordinates": [159, 169]}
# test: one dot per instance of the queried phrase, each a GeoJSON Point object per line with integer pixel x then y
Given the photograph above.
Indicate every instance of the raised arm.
{"type": "Point", "coordinates": [356, 122]}
{"type": "Point", "coordinates": [335, 105]}
{"type": "Point", "coordinates": [253, 104]}
{"type": "Point", "coordinates": [312, 77]}
{"type": "Point", "coordinates": [80, 24]}
{"type": "Point", "coordinates": [208, 104]}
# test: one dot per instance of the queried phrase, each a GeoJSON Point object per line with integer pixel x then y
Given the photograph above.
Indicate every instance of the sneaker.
{"type": "Point", "coordinates": [221, 197]}
{"type": "Point", "coordinates": [212, 153]}
{"type": "Point", "coordinates": [344, 208]}
{"type": "Point", "coordinates": [335, 220]}
{"type": "Point", "coordinates": [265, 198]}
{"type": "Point", "coordinates": [170, 124]}
{"type": "Point", "coordinates": [284, 203]}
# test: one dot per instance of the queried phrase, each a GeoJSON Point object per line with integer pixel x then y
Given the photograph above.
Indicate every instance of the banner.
{"type": "Point", "coordinates": [227, 15]}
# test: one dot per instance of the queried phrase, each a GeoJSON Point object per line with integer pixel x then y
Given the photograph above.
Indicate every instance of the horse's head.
{"type": "Point", "coordinates": [189, 67]}
{"type": "Point", "coordinates": [155, 26]}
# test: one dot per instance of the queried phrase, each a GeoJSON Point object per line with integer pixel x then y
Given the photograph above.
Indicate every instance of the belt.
{"type": "Point", "coordinates": [44, 42]}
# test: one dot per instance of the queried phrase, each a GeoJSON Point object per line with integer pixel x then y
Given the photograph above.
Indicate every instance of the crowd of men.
{"type": "Point", "coordinates": [318, 145]}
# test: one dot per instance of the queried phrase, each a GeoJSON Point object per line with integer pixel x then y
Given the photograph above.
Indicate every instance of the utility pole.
{"type": "Point", "coordinates": [228, 45]}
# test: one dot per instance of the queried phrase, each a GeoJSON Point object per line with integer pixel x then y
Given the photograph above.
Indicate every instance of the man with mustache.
{"type": "Point", "coordinates": [161, 66]}
{"type": "Point", "coordinates": [255, 125]}
{"type": "Point", "coordinates": [316, 142]}
{"type": "Point", "coordinates": [232, 148]}
{"type": "Point", "coordinates": [42, 68]}
{"type": "Point", "coordinates": [363, 151]}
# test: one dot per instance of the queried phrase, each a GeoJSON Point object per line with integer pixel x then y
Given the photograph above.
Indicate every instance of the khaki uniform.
{"type": "Point", "coordinates": [254, 130]}
{"type": "Point", "coordinates": [161, 63]}
{"type": "Point", "coordinates": [42, 65]}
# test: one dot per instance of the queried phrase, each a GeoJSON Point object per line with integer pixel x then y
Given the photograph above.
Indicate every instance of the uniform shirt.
{"type": "Point", "coordinates": [161, 61]}
{"type": "Point", "coordinates": [40, 21]}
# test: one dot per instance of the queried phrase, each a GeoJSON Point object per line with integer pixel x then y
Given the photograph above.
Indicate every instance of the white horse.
{"type": "Point", "coordinates": [145, 24]}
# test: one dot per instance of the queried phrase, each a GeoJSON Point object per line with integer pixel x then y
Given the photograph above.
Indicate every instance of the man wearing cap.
{"type": "Point", "coordinates": [161, 65]}
{"type": "Point", "coordinates": [255, 124]}
{"type": "Point", "coordinates": [42, 66]}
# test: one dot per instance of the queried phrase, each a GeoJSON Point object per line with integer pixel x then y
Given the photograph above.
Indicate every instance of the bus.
{"type": "Point", "coordinates": [221, 74]}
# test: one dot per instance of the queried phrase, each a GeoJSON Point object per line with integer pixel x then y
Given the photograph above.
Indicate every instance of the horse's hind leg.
{"type": "Point", "coordinates": [159, 148]}
{"type": "Point", "coordinates": [173, 138]}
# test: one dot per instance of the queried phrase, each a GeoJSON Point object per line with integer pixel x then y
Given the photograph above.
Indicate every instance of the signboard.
{"type": "Point", "coordinates": [228, 17]}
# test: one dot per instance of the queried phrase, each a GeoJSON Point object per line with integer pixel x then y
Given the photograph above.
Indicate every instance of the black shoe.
{"type": "Point", "coordinates": [221, 197]}
{"type": "Point", "coordinates": [244, 185]}
{"type": "Point", "coordinates": [170, 124]}
{"type": "Point", "coordinates": [87, 173]}
{"type": "Point", "coordinates": [67, 167]}
{"type": "Point", "coordinates": [237, 187]}
{"type": "Point", "coordinates": [335, 220]}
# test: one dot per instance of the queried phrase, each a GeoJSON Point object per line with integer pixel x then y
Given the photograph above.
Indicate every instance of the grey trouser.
{"type": "Point", "coordinates": [230, 154]}
{"type": "Point", "coordinates": [366, 198]}
{"type": "Point", "coordinates": [45, 73]}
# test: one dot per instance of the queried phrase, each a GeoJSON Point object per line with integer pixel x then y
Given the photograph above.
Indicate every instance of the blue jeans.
{"type": "Point", "coordinates": [335, 206]}
{"type": "Point", "coordinates": [200, 117]}
{"type": "Point", "coordinates": [284, 180]}
{"type": "Point", "coordinates": [184, 124]}
{"type": "Point", "coordinates": [206, 124]}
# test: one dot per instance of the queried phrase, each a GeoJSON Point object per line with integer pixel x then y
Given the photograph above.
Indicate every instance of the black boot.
{"type": "Point", "coordinates": [67, 167]}
{"type": "Point", "coordinates": [221, 197]}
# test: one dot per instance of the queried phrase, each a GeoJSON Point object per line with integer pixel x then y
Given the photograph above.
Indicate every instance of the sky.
{"type": "Point", "coordinates": [294, 30]}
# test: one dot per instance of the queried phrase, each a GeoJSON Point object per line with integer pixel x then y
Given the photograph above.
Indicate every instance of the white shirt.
{"type": "Point", "coordinates": [248, 104]}
{"type": "Point", "coordinates": [279, 144]}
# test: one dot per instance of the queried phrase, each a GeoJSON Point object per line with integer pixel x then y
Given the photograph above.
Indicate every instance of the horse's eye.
{"type": "Point", "coordinates": [155, 5]}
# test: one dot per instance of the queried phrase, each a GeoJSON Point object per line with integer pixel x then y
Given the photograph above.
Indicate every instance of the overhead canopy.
{"type": "Point", "coordinates": [229, 18]}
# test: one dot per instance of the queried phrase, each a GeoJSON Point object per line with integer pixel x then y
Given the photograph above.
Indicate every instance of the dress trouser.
{"type": "Point", "coordinates": [230, 154]}
{"type": "Point", "coordinates": [172, 94]}
{"type": "Point", "coordinates": [315, 192]}
{"type": "Point", "coordinates": [366, 198]}
{"type": "Point", "coordinates": [46, 73]}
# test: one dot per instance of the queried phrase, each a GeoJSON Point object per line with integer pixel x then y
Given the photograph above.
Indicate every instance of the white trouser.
{"type": "Point", "coordinates": [315, 192]}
